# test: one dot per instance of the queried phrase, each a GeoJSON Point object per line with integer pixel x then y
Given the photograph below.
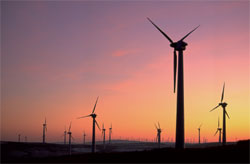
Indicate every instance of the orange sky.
{"type": "Point", "coordinates": [57, 57]}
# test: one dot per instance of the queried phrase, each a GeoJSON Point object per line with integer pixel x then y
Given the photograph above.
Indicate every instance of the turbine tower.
{"type": "Point", "coordinates": [65, 135]}
{"type": "Point", "coordinates": [158, 137]}
{"type": "Point", "coordinates": [199, 133]}
{"type": "Point", "coordinates": [84, 136]}
{"type": "Point", "coordinates": [44, 129]}
{"type": "Point", "coordinates": [218, 130]}
{"type": "Point", "coordinates": [110, 132]}
{"type": "Point", "coordinates": [179, 46]}
{"type": "Point", "coordinates": [223, 105]}
{"type": "Point", "coordinates": [103, 134]}
{"type": "Point", "coordinates": [70, 137]}
{"type": "Point", "coordinates": [93, 115]}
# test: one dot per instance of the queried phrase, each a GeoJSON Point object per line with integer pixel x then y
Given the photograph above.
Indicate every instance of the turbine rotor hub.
{"type": "Point", "coordinates": [93, 115]}
{"type": "Point", "coordinates": [179, 46]}
{"type": "Point", "coordinates": [223, 104]}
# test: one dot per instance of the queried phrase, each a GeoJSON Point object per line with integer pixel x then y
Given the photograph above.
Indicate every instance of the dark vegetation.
{"type": "Point", "coordinates": [233, 153]}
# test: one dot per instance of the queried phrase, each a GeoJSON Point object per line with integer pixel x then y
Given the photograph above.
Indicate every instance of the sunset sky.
{"type": "Point", "coordinates": [58, 56]}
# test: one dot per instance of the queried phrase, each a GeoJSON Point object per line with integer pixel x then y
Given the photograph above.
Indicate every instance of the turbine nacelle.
{"type": "Point", "coordinates": [224, 104]}
{"type": "Point", "coordinates": [93, 115]}
{"type": "Point", "coordinates": [179, 46]}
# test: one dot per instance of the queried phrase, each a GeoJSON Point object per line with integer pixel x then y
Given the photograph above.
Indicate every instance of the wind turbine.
{"type": "Point", "coordinates": [103, 133]}
{"type": "Point", "coordinates": [65, 135]}
{"type": "Point", "coordinates": [70, 136]}
{"type": "Point", "coordinates": [93, 115]}
{"type": "Point", "coordinates": [19, 137]}
{"type": "Point", "coordinates": [179, 46]}
{"type": "Point", "coordinates": [25, 139]}
{"type": "Point", "coordinates": [158, 137]}
{"type": "Point", "coordinates": [199, 132]}
{"type": "Point", "coordinates": [218, 130]}
{"type": "Point", "coordinates": [223, 105]}
{"type": "Point", "coordinates": [110, 132]}
{"type": "Point", "coordinates": [44, 129]}
{"type": "Point", "coordinates": [84, 136]}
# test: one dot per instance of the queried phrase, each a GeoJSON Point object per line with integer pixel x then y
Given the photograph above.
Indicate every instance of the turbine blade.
{"type": "Point", "coordinates": [156, 127]}
{"type": "Point", "coordinates": [189, 33]}
{"type": "Point", "coordinates": [170, 40]}
{"type": "Point", "coordinates": [72, 137]}
{"type": "Point", "coordinates": [45, 120]}
{"type": "Point", "coordinates": [84, 116]}
{"type": "Point", "coordinates": [95, 105]}
{"type": "Point", "coordinates": [159, 125]}
{"type": "Point", "coordinates": [175, 66]}
{"type": "Point", "coordinates": [222, 96]}
{"type": "Point", "coordinates": [227, 114]}
{"type": "Point", "coordinates": [216, 132]}
{"type": "Point", "coordinates": [97, 125]}
{"type": "Point", "coordinates": [200, 126]}
{"type": "Point", "coordinates": [218, 122]}
{"type": "Point", "coordinates": [214, 108]}
{"type": "Point", "coordinates": [70, 126]}
{"type": "Point", "coordinates": [46, 128]}
{"type": "Point", "coordinates": [111, 126]}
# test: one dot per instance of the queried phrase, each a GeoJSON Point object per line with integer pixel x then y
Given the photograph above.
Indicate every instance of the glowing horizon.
{"type": "Point", "coordinates": [57, 57]}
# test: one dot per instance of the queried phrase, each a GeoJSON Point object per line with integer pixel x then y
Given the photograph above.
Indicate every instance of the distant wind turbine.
{"type": "Point", "coordinates": [93, 115]}
{"type": "Point", "coordinates": [44, 129]}
{"type": "Point", "coordinates": [179, 46]}
{"type": "Point", "coordinates": [199, 133]}
{"type": "Point", "coordinates": [70, 137]}
{"type": "Point", "coordinates": [110, 132]}
{"type": "Point", "coordinates": [103, 134]}
{"type": "Point", "coordinates": [223, 105]}
{"type": "Point", "coordinates": [218, 130]}
{"type": "Point", "coordinates": [25, 139]}
{"type": "Point", "coordinates": [65, 135]}
{"type": "Point", "coordinates": [84, 136]}
{"type": "Point", "coordinates": [158, 134]}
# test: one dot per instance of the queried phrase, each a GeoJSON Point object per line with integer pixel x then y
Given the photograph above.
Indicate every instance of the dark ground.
{"type": "Point", "coordinates": [234, 153]}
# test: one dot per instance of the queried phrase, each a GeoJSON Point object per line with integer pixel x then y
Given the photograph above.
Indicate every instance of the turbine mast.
{"type": "Point", "coordinates": [179, 144]}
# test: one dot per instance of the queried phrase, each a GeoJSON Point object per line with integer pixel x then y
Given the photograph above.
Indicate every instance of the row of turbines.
{"type": "Point", "coordinates": [19, 138]}
{"type": "Point", "coordinates": [93, 115]}
{"type": "Point", "coordinates": [158, 128]}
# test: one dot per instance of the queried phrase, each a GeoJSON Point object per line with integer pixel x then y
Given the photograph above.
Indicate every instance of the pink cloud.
{"type": "Point", "coordinates": [118, 53]}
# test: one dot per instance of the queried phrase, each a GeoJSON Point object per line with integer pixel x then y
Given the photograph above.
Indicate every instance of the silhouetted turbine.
{"type": "Point", "coordinates": [110, 132]}
{"type": "Point", "coordinates": [199, 129]}
{"type": "Point", "coordinates": [19, 137]}
{"type": "Point", "coordinates": [84, 136]}
{"type": "Point", "coordinates": [218, 130]}
{"type": "Point", "coordinates": [223, 104]}
{"type": "Point", "coordinates": [103, 134]}
{"type": "Point", "coordinates": [158, 137]}
{"type": "Point", "coordinates": [44, 129]}
{"type": "Point", "coordinates": [65, 135]}
{"type": "Point", "coordinates": [179, 46]}
{"type": "Point", "coordinates": [70, 137]}
{"type": "Point", "coordinates": [93, 115]}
